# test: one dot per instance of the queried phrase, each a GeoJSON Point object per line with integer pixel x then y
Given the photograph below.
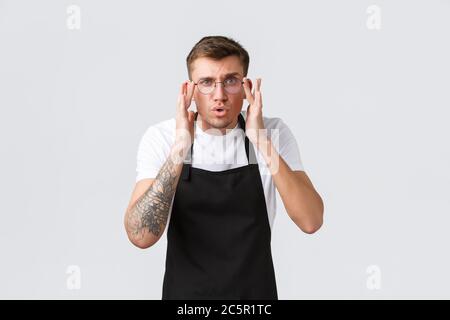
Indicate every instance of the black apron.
{"type": "Point", "coordinates": [218, 238]}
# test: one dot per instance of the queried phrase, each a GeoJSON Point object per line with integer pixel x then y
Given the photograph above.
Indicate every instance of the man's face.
{"type": "Point", "coordinates": [218, 70]}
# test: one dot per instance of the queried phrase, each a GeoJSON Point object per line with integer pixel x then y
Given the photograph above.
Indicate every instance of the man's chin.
{"type": "Point", "coordinates": [219, 123]}
{"type": "Point", "coordinates": [212, 123]}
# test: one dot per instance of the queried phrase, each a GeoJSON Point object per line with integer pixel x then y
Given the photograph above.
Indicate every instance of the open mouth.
{"type": "Point", "coordinates": [219, 112]}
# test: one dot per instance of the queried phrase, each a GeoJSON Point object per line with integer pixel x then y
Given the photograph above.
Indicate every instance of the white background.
{"type": "Point", "coordinates": [369, 109]}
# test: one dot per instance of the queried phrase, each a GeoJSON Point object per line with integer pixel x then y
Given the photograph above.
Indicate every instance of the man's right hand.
{"type": "Point", "coordinates": [185, 119]}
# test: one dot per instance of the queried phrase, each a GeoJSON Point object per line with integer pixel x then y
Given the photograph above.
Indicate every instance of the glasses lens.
{"type": "Point", "coordinates": [232, 85]}
{"type": "Point", "coordinates": [206, 86]}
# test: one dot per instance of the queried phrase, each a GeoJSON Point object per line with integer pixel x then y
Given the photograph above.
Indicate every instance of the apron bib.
{"type": "Point", "coordinates": [218, 238]}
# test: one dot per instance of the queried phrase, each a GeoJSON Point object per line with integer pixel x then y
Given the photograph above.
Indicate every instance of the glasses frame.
{"type": "Point", "coordinates": [215, 85]}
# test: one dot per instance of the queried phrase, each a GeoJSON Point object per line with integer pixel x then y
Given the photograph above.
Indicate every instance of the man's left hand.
{"type": "Point", "coordinates": [254, 126]}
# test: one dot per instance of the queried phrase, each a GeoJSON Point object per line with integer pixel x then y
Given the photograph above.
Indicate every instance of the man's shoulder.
{"type": "Point", "coordinates": [164, 127]}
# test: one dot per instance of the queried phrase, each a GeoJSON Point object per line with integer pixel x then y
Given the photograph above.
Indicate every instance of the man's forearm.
{"type": "Point", "coordinates": [303, 204]}
{"type": "Point", "coordinates": [147, 218]}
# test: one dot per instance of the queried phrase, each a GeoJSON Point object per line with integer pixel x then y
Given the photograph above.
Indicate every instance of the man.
{"type": "Point", "coordinates": [221, 214]}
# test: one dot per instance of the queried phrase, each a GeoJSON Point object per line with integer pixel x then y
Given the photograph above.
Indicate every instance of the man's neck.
{"type": "Point", "coordinates": [212, 130]}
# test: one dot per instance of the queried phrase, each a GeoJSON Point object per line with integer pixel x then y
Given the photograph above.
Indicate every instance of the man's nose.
{"type": "Point", "coordinates": [219, 92]}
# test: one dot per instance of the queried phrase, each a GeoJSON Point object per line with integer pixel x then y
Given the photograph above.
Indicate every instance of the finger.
{"type": "Point", "coordinates": [181, 97]}
{"type": "Point", "coordinates": [185, 100]}
{"type": "Point", "coordinates": [258, 99]}
{"type": "Point", "coordinates": [189, 93]}
{"type": "Point", "coordinates": [258, 84]}
{"type": "Point", "coordinates": [254, 88]}
{"type": "Point", "coordinates": [180, 92]}
{"type": "Point", "coordinates": [248, 94]}
{"type": "Point", "coordinates": [191, 87]}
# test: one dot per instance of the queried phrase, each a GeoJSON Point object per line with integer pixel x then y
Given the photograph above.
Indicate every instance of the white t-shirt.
{"type": "Point", "coordinates": [218, 152]}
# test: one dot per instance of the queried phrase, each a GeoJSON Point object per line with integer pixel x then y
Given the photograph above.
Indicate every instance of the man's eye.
{"type": "Point", "coordinates": [231, 81]}
{"type": "Point", "coordinates": [205, 82]}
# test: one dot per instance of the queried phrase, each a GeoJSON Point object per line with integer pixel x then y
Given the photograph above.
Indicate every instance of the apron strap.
{"type": "Point", "coordinates": [249, 152]}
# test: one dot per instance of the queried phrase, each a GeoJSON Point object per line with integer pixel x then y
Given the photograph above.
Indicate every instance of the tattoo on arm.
{"type": "Point", "coordinates": [152, 209]}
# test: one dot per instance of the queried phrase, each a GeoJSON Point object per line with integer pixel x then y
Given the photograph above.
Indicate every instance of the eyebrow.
{"type": "Point", "coordinates": [226, 76]}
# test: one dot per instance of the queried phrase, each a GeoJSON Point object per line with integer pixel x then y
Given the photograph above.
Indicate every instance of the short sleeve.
{"type": "Point", "coordinates": [287, 146]}
{"type": "Point", "coordinates": [150, 154]}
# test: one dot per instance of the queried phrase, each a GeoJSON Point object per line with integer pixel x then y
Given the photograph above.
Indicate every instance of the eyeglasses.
{"type": "Point", "coordinates": [231, 85]}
